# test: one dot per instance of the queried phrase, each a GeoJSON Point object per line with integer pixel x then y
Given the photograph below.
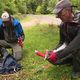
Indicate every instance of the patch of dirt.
{"type": "Point", "coordinates": [41, 19]}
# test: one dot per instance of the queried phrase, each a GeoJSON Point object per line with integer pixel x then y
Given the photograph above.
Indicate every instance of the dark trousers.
{"type": "Point", "coordinates": [76, 61]}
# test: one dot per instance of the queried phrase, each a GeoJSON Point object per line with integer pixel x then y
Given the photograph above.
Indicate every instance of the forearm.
{"type": "Point", "coordinates": [61, 47]}
{"type": "Point", "coordinates": [73, 47]}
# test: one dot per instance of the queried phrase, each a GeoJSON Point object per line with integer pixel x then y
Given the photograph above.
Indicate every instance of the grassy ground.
{"type": "Point", "coordinates": [40, 37]}
{"type": "Point", "coordinates": [35, 68]}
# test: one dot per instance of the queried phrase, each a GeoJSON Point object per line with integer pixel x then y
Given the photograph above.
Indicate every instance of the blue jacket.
{"type": "Point", "coordinates": [17, 28]}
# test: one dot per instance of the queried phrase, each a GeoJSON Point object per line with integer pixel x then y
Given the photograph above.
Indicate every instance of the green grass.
{"type": "Point", "coordinates": [41, 37]}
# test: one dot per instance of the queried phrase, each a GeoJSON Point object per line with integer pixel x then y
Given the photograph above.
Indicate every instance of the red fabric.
{"type": "Point", "coordinates": [20, 42]}
{"type": "Point", "coordinates": [40, 54]}
{"type": "Point", "coordinates": [52, 56]}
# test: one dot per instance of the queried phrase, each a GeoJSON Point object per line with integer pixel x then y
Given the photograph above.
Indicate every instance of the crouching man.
{"type": "Point", "coordinates": [11, 34]}
{"type": "Point", "coordinates": [68, 50]}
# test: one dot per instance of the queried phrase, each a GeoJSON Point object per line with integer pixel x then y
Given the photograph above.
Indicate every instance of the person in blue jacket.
{"type": "Point", "coordinates": [11, 34]}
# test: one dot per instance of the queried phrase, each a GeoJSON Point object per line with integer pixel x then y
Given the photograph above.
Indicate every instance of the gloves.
{"type": "Point", "coordinates": [51, 56]}
{"type": "Point", "coordinates": [20, 42]}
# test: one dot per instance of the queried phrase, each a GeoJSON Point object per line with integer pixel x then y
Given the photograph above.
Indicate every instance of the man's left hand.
{"type": "Point", "coordinates": [20, 42]}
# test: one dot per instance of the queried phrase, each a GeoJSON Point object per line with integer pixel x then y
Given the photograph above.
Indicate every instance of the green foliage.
{"type": "Point", "coordinates": [10, 6]}
{"type": "Point", "coordinates": [44, 7]}
{"type": "Point", "coordinates": [39, 9]}
{"type": "Point", "coordinates": [76, 3]}
{"type": "Point", "coordinates": [21, 5]}
{"type": "Point", "coordinates": [31, 6]}
{"type": "Point", "coordinates": [51, 5]}
{"type": "Point", "coordinates": [1, 8]}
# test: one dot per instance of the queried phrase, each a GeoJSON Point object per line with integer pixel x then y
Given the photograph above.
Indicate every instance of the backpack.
{"type": "Point", "coordinates": [9, 65]}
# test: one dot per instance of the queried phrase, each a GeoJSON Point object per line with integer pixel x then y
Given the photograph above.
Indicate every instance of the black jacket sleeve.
{"type": "Point", "coordinates": [61, 35]}
{"type": "Point", "coordinates": [73, 46]}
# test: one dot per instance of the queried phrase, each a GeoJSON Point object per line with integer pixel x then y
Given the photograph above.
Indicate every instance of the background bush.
{"type": "Point", "coordinates": [31, 6]}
